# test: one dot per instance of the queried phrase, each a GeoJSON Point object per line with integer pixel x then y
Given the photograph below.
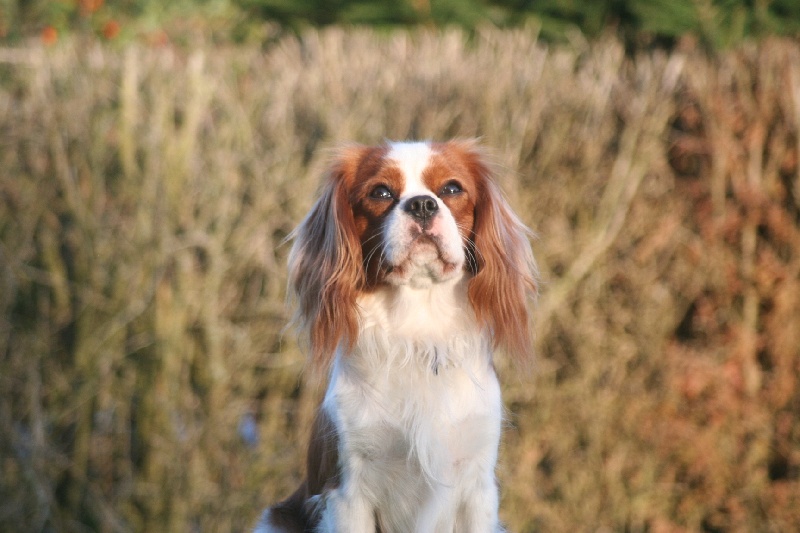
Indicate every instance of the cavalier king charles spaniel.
{"type": "Point", "coordinates": [409, 271]}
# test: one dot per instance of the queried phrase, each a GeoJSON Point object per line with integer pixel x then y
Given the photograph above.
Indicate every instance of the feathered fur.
{"type": "Point", "coordinates": [409, 271]}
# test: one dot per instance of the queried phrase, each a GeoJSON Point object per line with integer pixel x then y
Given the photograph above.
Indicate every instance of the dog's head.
{"type": "Point", "coordinates": [415, 215]}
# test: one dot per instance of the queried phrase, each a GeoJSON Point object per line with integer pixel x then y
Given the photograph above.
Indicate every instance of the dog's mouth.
{"type": "Point", "coordinates": [425, 261]}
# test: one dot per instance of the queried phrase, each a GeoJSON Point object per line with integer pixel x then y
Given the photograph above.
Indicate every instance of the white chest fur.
{"type": "Point", "coordinates": [418, 412]}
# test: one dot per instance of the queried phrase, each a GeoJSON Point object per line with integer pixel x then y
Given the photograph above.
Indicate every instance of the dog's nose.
{"type": "Point", "coordinates": [421, 207]}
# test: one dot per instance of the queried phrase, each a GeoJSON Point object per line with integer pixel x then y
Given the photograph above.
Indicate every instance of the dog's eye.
{"type": "Point", "coordinates": [451, 188]}
{"type": "Point", "coordinates": [381, 192]}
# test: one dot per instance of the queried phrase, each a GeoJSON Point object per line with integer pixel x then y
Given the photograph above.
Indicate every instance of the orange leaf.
{"type": "Point", "coordinates": [111, 29]}
{"type": "Point", "coordinates": [49, 35]}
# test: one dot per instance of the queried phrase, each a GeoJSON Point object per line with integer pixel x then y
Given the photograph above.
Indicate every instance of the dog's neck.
{"type": "Point", "coordinates": [432, 328]}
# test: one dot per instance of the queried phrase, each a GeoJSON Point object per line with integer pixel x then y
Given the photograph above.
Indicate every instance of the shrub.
{"type": "Point", "coordinates": [146, 192]}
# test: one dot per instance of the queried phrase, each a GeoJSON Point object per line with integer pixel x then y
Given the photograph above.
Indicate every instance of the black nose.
{"type": "Point", "coordinates": [421, 207]}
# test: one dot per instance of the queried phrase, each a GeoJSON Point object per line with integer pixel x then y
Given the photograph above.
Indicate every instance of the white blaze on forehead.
{"type": "Point", "coordinates": [419, 263]}
{"type": "Point", "coordinates": [412, 158]}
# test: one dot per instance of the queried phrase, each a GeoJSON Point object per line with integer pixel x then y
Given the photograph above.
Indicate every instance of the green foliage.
{"type": "Point", "coordinates": [295, 13]}
{"type": "Point", "coordinates": [717, 23]}
{"type": "Point", "coordinates": [466, 13]}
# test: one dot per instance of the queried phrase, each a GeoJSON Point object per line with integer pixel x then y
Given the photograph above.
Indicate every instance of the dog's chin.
{"type": "Point", "coordinates": [425, 264]}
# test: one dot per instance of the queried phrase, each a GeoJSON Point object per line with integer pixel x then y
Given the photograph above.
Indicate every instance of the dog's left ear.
{"type": "Point", "coordinates": [505, 279]}
{"type": "Point", "coordinates": [325, 272]}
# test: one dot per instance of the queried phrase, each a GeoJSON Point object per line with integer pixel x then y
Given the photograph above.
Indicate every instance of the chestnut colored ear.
{"type": "Point", "coordinates": [325, 272]}
{"type": "Point", "coordinates": [506, 274]}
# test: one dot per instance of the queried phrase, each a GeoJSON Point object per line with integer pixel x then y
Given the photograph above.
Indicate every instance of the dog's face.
{"type": "Point", "coordinates": [410, 215]}
{"type": "Point", "coordinates": [413, 208]}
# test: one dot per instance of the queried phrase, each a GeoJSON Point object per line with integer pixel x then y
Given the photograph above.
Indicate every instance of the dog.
{"type": "Point", "coordinates": [407, 274]}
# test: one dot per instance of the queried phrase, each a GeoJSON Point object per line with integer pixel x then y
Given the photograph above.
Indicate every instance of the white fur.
{"type": "Point", "coordinates": [264, 524]}
{"type": "Point", "coordinates": [412, 158]}
{"type": "Point", "coordinates": [417, 409]}
{"type": "Point", "coordinates": [421, 267]}
{"type": "Point", "coordinates": [417, 404]}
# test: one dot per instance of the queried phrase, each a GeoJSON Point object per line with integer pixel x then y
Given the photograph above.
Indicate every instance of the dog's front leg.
{"type": "Point", "coordinates": [346, 509]}
{"type": "Point", "coordinates": [478, 511]}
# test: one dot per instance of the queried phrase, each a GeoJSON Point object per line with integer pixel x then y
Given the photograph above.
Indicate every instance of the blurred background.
{"type": "Point", "coordinates": [154, 156]}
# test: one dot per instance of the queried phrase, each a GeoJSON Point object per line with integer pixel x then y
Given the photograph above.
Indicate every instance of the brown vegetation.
{"type": "Point", "coordinates": [145, 194]}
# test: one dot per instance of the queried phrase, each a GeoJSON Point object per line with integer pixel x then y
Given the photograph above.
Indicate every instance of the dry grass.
{"type": "Point", "coordinates": [145, 193]}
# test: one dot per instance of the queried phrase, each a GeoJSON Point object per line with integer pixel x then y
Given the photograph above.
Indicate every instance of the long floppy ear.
{"type": "Point", "coordinates": [505, 281]}
{"type": "Point", "coordinates": [325, 272]}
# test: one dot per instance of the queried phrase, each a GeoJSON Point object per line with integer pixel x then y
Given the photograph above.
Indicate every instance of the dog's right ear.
{"type": "Point", "coordinates": [325, 271]}
{"type": "Point", "coordinates": [505, 278]}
